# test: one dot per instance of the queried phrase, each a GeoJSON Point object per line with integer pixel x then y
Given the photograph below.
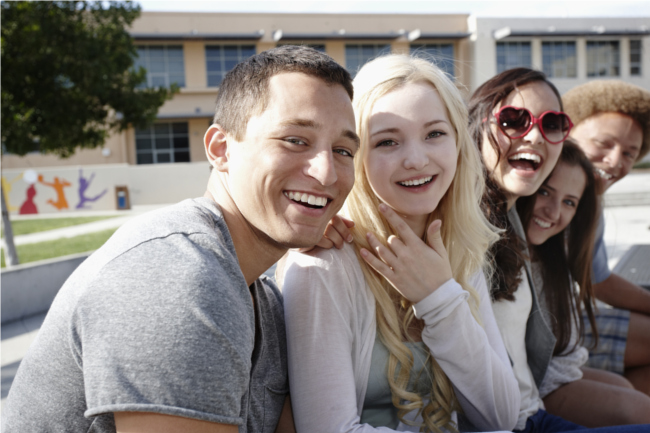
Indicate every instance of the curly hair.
{"type": "Point", "coordinates": [611, 96]}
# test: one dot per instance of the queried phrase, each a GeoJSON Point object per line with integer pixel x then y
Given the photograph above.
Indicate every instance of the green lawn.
{"type": "Point", "coordinates": [23, 227]}
{"type": "Point", "coordinates": [61, 247]}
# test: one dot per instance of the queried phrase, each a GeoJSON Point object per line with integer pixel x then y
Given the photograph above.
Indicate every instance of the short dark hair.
{"type": "Point", "coordinates": [509, 252]}
{"type": "Point", "coordinates": [244, 91]}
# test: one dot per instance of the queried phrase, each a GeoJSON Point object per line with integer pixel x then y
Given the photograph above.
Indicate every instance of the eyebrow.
{"type": "Point", "coordinates": [306, 123]}
{"type": "Point", "coordinates": [394, 130]}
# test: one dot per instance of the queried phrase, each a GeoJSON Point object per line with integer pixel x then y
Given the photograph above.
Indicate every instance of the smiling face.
{"type": "Point", "coordinates": [293, 170]}
{"type": "Point", "coordinates": [526, 161]}
{"type": "Point", "coordinates": [556, 202]}
{"type": "Point", "coordinates": [612, 142]}
{"type": "Point", "coordinates": [411, 156]}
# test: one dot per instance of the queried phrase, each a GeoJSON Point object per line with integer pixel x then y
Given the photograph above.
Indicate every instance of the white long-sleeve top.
{"type": "Point", "coordinates": [331, 329]}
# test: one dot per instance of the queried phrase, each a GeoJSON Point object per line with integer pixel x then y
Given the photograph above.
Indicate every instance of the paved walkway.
{"type": "Point", "coordinates": [627, 216]}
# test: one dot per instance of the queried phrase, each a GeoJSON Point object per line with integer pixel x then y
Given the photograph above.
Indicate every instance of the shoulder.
{"type": "Point", "coordinates": [324, 265]}
{"type": "Point", "coordinates": [333, 274]}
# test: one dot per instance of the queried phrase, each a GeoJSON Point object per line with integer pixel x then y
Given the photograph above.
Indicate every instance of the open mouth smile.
{"type": "Point", "coordinates": [543, 224]}
{"type": "Point", "coordinates": [525, 161]}
{"type": "Point", "coordinates": [603, 174]}
{"type": "Point", "coordinates": [416, 182]}
{"type": "Point", "coordinates": [307, 200]}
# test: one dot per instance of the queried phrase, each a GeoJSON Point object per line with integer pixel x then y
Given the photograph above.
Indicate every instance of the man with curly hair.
{"type": "Point", "coordinates": [612, 126]}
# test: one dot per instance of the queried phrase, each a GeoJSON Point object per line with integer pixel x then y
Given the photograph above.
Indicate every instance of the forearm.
{"type": "Point", "coordinates": [621, 293]}
{"type": "Point", "coordinates": [473, 357]}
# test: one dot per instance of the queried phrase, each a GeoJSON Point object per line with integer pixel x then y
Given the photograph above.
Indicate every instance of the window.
{"type": "Point", "coordinates": [603, 59]}
{"type": "Point", "coordinates": [162, 142]}
{"type": "Point", "coordinates": [442, 53]}
{"type": "Point", "coordinates": [220, 59]}
{"type": "Point", "coordinates": [164, 64]}
{"type": "Point", "coordinates": [357, 55]}
{"type": "Point", "coordinates": [635, 57]}
{"type": "Point", "coordinates": [559, 59]}
{"type": "Point", "coordinates": [512, 55]}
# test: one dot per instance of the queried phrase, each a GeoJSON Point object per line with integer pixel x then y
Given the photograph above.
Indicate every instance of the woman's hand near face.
{"type": "Point", "coordinates": [414, 268]}
{"type": "Point", "coordinates": [336, 234]}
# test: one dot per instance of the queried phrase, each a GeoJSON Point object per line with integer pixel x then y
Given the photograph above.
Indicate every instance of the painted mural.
{"type": "Point", "coordinates": [37, 184]}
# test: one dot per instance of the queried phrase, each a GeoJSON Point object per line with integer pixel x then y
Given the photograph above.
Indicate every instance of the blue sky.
{"type": "Point", "coordinates": [485, 8]}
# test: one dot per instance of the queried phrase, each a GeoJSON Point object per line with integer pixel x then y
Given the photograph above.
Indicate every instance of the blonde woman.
{"type": "Point", "coordinates": [380, 335]}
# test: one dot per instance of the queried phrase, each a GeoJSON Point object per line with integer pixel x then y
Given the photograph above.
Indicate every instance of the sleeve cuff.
{"type": "Point", "coordinates": [442, 301]}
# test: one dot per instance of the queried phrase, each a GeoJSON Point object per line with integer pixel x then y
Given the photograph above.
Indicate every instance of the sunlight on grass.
{"type": "Point", "coordinates": [23, 227]}
{"type": "Point", "coordinates": [61, 247]}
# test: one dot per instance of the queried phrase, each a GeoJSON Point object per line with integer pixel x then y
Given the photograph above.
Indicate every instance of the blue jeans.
{"type": "Point", "coordinates": [544, 422]}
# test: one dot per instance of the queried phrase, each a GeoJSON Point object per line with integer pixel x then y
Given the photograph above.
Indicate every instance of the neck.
{"type": "Point", "coordinates": [256, 252]}
{"type": "Point", "coordinates": [511, 200]}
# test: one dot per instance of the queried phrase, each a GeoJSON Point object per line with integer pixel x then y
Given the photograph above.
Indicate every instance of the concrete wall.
{"type": "Point", "coordinates": [147, 184]}
{"type": "Point", "coordinates": [30, 289]}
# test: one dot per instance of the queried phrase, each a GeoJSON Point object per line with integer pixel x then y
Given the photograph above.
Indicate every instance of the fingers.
{"type": "Point", "coordinates": [403, 230]}
{"type": "Point", "coordinates": [347, 222]}
{"type": "Point", "coordinates": [434, 238]}
{"type": "Point", "coordinates": [377, 264]}
{"type": "Point", "coordinates": [338, 232]}
{"type": "Point", "coordinates": [381, 250]}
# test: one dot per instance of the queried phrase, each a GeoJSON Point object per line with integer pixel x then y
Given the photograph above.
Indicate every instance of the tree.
{"type": "Point", "coordinates": [68, 77]}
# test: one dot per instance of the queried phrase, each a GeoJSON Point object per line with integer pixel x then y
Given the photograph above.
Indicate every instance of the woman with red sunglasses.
{"type": "Point", "coordinates": [517, 123]}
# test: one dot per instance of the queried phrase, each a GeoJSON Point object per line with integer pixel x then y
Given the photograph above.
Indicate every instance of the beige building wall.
{"type": "Point", "coordinates": [579, 30]}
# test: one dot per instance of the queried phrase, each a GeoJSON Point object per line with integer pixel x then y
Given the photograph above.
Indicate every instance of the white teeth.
{"type": "Point", "coordinates": [602, 173]}
{"type": "Point", "coordinates": [528, 156]}
{"type": "Point", "coordinates": [306, 198]}
{"type": "Point", "coordinates": [416, 181]}
{"type": "Point", "coordinates": [542, 223]}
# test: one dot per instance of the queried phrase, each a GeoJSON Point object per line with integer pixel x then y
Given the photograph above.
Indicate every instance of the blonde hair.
{"type": "Point", "coordinates": [465, 231]}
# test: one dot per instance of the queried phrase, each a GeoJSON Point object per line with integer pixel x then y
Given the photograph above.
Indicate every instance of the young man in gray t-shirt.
{"type": "Point", "coordinates": [168, 326]}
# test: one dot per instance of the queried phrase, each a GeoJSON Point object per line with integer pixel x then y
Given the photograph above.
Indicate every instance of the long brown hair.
{"type": "Point", "coordinates": [508, 253]}
{"type": "Point", "coordinates": [571, 250]}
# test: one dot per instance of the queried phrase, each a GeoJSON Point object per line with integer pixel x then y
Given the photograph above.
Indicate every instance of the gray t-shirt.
{"type": "Point", "coordinates": [159, 319]}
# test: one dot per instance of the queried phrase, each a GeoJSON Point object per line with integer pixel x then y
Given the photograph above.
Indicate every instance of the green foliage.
{"type": "Point", "coordinates": [24, 227]}
{"type": "Point", "coordinates": [61, 247]}
{"type": "Point", "coordinates": [68, 76]}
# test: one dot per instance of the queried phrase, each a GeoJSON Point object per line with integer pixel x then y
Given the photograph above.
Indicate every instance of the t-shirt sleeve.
{"type": "Point", "coordinates": [600, 267]}
{"type": "Point", "coordinates": [165, 335]}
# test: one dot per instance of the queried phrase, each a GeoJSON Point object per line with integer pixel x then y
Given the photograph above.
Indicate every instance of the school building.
{"type": "Point", "coordinates": [166, 162]}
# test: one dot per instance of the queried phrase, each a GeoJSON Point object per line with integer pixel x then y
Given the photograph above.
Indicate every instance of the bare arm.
{"type": "Point", "coordinates": [147, 422]}
{"type": "Point", "coordinates": [621, 293]}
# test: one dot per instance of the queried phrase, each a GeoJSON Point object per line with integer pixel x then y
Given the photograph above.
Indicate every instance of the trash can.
{"type": "Point", "coordinates": [122, 198]}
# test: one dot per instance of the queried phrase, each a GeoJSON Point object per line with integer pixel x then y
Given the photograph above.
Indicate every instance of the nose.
{"type": "Point", "coordinates": [415, 157]}
{"type": "Point", "coordinates": [534, 136]}
{"type": "Point", "coordinates": [552, 210]}
{"type": "Point", "coordinates": [614, 157]}
{"type": "Point", "coordinates": [321, 167]}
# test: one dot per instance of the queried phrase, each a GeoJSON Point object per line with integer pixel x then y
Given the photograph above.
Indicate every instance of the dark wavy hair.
{"type": "Point", "coordinates": [509, 252]}
{"type": "Point", "coordinates": [566, 257]}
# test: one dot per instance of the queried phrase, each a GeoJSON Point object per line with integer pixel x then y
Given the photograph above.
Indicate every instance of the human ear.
{"type": "Point", "coordinates": [216, 147]}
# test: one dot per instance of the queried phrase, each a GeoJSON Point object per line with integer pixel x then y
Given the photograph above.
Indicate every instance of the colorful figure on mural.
{"type": "Point", "coordinates": [6, 188]}
{"type": "Point", "coordinates": [83, 186]}
{"type": "Point", "coordinates": [29, 207]}
{"type": "Point", "coordinates": [58, 185]}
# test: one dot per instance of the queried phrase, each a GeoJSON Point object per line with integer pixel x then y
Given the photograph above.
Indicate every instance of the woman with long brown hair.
{"type": "Point", "coordinates": [518, 125]}
{"type": "Point", "coordinates": [560, 221]}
